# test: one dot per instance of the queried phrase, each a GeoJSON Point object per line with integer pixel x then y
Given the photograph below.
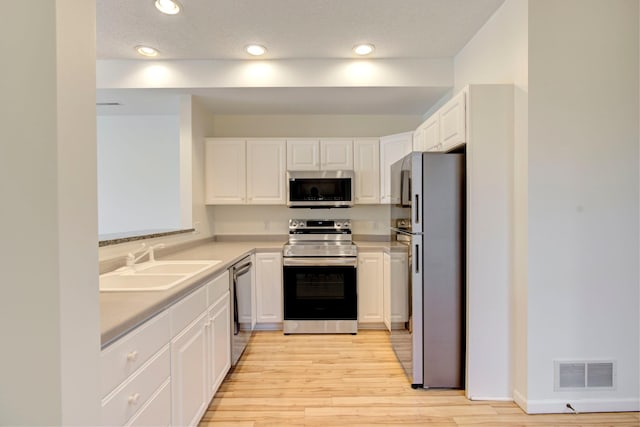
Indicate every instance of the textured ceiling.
{"type": "Point", "coordinates": [219, 29]}
{"type": "Point", "coordinates": [290, 29]}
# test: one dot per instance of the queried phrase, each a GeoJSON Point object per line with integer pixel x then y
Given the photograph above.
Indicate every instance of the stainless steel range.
{"type": "Point", "coordinates": [319, 277]}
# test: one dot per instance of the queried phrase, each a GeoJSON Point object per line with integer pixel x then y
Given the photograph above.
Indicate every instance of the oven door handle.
{"type": "Point", "coordinates": [319, 261]}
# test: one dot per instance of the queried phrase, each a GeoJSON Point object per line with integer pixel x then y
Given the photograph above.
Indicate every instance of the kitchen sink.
{"type": "Point", "coordinates": [174, 267]}
{"type": "Point", "coordinates": [152, 276]}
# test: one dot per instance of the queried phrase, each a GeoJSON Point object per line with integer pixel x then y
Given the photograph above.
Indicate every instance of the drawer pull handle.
{"type": "Point", "coordinates": [133, 399]}
{"type": "Point", "coordinates": [133, 355]}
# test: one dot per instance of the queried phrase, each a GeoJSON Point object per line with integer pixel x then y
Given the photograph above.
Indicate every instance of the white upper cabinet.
{"type": "Point", "coordinates": [366, 164]}
{"type": "Point", "coordinates": [308, 154]}
{"type": "Point", "coordinates": [336, 154]}
{"type": "Point", "coordinates": [427, 136]}
{"type": "Point", "coordinates": [453, 122]}
{"type": "Point", "coordinates": [266, 167]}
{"type": "Point", "coordinates": [225, 171]}
{"type": "Point", "coordinates": [446, 128]}
{"type": "Point", "coordinates": [303, 154]}
{"type": "Point", "coordinates": [239, 171]}
{"type": "Point", "coordinates": [431, 134]}
{"type": "Point", "coordinates": [392, 149]}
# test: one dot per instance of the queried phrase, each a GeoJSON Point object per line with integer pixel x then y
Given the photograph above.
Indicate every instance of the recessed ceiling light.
{"type": "Point", "coordinates": [170, 7]}
{"type": "Point", "coordinates": [146, 51]}
{"type": "Point", "coordinates": [255, 49]}
{"type": "Point", "coordinates": [363, 49]}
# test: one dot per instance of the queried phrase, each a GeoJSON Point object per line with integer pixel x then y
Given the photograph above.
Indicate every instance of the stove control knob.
{"type": "Point", "coordinates": [338, 224]}
{"type": "Point", "coordinates": [293, 224]}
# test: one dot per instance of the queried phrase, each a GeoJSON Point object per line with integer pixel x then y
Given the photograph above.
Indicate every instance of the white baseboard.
{"type": "Point", "coordinates": [559, 406]}
{"type": "Point", "coordinates": [276, 326]}
{"type": "Point", "coordinates": [494, 399]}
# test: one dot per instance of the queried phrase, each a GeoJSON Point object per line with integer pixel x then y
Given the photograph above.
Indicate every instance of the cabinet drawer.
{"type": "Point", "coordinates": [157, 411]}
{"type": "Point", "coordinates": [185, 311]}
{"type": "Point", "coordinates": [123, 357]}
{"type": "Point", "coordinates": [128, 399]}
{"type": "Point", "coordinates": [217, 287]}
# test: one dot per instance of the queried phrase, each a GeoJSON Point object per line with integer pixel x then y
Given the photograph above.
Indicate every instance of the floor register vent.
{"type": "Point", "coordinates": [584, 375]}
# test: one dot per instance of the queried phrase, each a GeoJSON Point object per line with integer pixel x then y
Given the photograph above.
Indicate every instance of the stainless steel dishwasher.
{"type": "Point", "coordinates": [243, 311]}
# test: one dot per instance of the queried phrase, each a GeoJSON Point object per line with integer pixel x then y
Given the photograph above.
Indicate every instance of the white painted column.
{"type": "Point", "coordinates": [49, 310]}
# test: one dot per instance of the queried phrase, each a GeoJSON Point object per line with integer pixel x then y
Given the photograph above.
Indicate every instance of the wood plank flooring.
{"type": "Point", "coordinates": [354, 380]}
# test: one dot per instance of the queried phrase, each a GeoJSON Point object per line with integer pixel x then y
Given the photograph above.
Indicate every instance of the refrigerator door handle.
{"type": "Point", "coordinates": [417, 208]}
{"type": "Point", "coordinates": [417, 258]}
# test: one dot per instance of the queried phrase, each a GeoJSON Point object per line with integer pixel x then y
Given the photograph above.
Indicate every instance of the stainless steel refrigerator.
{"type": "Point", "coordinates": [428, 221]}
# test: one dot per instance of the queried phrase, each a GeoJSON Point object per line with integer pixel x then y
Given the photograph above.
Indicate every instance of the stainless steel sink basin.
{"type": "Point", "coordinates": [152, 276]}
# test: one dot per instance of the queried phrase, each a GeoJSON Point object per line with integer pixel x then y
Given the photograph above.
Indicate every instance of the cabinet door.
{"type": "Point", "coordinates": [303, 154]}
{"type": "Point", "coordinates": [336, 154]}
{"type": "Point", "coordinates": [370, 308]}
{"type": "Point", "coordinates": [386, 290]}
{"type": "Point", "coordinates": [453, 122]}
{"type": "Point", "coordinates": [392, 149]}
{"type": "Point", "coordinates": [366, 162]}
{"type": "Point", "coordinates": [219, 341]}
{"type": "Point", "coordinates": [266, 167]}
{"type": "Point", "coordinates": [269, 287]}
{"type": "Point", "coordinates": [418, 139]}
{"type": "Point", "coordinates": [189, 355]}
{"type": "Point", "coordinates": [157, 411]}
{"type": "Point", "coordinates": [431, 133]}
{"type": "Point", "coordinates": [399, 289]}
{"type": "Point", "coordinates": [225, 171]}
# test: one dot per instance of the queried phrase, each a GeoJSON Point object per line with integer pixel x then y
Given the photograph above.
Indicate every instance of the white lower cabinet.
{"type": "Point", "coordinates": [133, 370]}
{"type": "Point", "coordinates": [386, 290]}
{"type": "Point", "coordinates": [269, 287]}
{"type": "Point", "coordinates": [129, 398]}
{"type": "Point", "coordinates": [370, 300]}
{"type": "Point", "coordinates": [166, 371]}
{"type": "Point", "coordinates": [395, 290]}
{"type": "Point", "coordinates": [189, 367]}
{"type": "Point", "coordinates": [157, 411]}
{"type": "Point", "coordinates": [219, 335]}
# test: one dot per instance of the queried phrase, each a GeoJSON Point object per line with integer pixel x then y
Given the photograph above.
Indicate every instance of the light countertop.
{"type": "Point", "coordinates": [120, 312]}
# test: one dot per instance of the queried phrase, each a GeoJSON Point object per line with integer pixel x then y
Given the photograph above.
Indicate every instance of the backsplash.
{"type": "Point", "coordinates": [257, 220]}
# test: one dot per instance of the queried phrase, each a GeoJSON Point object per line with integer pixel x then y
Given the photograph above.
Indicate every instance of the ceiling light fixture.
{"type": "Point", "coordinates": [170, 7]}
{"type": "Point", "coordinates": [363, 49]}
{"type": "Point", "coordinates": [146, 51]}
{"type": "Point", "coordinates": [255, 49]}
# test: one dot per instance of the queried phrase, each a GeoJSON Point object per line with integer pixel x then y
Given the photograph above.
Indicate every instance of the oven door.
{"type": "Point", "coordinates": [320, 289]}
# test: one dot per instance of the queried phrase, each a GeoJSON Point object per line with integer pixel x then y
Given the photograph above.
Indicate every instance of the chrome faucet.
{"type": "Point", "coordinates": [143, 250]}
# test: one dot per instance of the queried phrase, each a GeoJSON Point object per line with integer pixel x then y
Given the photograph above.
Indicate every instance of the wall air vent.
{"type": "Point", "coordinates": [584, 375]}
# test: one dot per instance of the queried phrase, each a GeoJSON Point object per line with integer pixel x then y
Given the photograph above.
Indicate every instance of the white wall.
{"type": "Point", "coordinates": [265, 220]}
{"type": "Point", "coordinates": [312, 125]}
{"type": "Point", "coordinates": [497, 54]}
{"type": "Point", "coordinates": [49, 295]}
{"type": "Point", "coordinates": [195, 123]}
{"type": "Point", "coordinates": [138, 174]}
{"type": "Point", "coordinates": [201, 127]}
{"type": "Point", "coordinates": [583, 249]}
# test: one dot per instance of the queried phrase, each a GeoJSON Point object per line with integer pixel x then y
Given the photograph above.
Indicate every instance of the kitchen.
{"type": "Point", "coordinates": [57, 230]}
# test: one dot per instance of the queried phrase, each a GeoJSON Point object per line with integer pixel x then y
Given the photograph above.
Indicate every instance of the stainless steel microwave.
{"type": "Point", "coordinates": [320, 189]}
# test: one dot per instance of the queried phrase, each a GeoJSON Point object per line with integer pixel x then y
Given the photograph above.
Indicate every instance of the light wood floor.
{"type": "Point", "coordinates": [354, 380]}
